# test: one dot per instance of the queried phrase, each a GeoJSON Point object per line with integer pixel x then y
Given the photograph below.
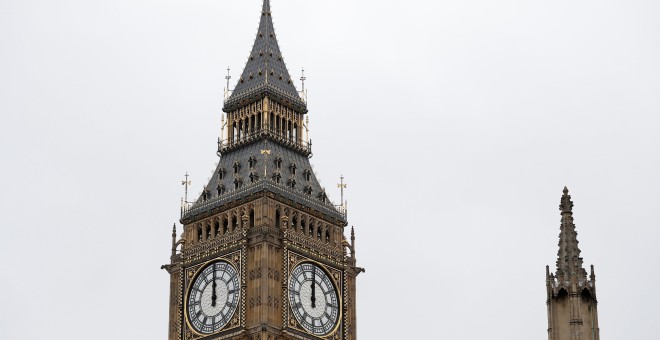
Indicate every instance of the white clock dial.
{"type": "Point", "coordinates": [213, 297]}
{"type": "Point", "coordinates": [313, 299]}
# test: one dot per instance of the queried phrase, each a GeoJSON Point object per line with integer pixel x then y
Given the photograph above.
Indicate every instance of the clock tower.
{"type": "Point", "coordinates": [263, 253]}
{"type": "Point", "coordinates": [571, 301]}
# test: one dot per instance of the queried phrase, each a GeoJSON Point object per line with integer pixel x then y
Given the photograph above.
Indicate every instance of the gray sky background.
{"type": "Point", "coordinates": [456, 124]}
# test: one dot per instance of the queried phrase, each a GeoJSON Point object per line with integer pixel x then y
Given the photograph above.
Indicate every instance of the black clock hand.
{"type": "Point", "coordinates": [313, 287]}
{"type": "Point", "coordinates": [213, 285]}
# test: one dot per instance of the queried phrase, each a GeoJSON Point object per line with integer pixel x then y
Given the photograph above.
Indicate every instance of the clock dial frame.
{"type": "Point", "coordinates": [209, 309]}
{"type": "Point", "coordinates": [316, 308]}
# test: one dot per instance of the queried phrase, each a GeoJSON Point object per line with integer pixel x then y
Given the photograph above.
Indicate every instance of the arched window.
{"type": "Point", "coordinates": [216, 227]}
{"type": "Point", "coordinates": [277, 178]}
{"type": "Point", "coordinates": [234, 223]}
{"type": "Point", "coordinates": [251, 219]}
{"type": "Point", "coordinates": [291, 183]}
{"type": "Point", "coordinates": [277, 219]}
{"type": "Point", "coordinates": [294, 222]}
{"type": "Point", "coordinates": [199, 233]}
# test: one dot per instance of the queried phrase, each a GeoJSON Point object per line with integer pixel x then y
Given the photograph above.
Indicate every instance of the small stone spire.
{"type": "Point", "coordinates": [569, 262]}
{"type": "Point", "coordinates": [174, 240]}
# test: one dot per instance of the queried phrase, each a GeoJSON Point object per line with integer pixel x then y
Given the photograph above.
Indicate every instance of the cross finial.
{"type": "Point", "coordinates": [228, 77]}
{"type": "Point", "coordinates": [303, 78]}
{"type": "Point", "coordinates": [341, 185]}
{"type": "Point", "coordinates": [186, 183]}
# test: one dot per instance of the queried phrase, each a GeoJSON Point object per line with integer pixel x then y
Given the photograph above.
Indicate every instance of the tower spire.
{"type": "Point", "coordinates": [571, 302]}
{"type": "Point", "coordinates": [569, 262]}
{"type": "Point", "coordinates": [265, 72]}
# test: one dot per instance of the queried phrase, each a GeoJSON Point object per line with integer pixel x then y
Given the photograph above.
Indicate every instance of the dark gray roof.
{"type": "Point", "coordinates": [235, 167]}
{"type": "Point", "coordinates": [265, 72]}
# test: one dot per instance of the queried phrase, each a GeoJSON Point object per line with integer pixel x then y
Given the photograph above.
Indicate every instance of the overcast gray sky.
{"type": "Point", "coordinates": [456, 124]}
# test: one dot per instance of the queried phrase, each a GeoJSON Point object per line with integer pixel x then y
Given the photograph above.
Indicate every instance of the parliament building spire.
{"type": "Point", "coordinates": [571, 295]}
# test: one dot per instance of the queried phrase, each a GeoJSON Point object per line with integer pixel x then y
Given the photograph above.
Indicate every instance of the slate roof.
{"type": "Point", "coordinates": [265, 71]}
{"type": "Point", "coordinates": [300, 192]}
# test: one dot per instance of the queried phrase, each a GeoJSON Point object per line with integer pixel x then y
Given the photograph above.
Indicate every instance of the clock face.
{"type": "Point", "coordinates": [313, 299]}
{"type": "Point", "coordinates": [213, 297]}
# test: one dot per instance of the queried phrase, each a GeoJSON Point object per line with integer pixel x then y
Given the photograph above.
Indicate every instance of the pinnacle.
{"type": "Point", "coordinates": [568, 256]}
{"type": "Point", "coordinates": [566, 205]}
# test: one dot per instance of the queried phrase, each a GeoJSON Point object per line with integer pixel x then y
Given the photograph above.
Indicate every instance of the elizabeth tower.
{"type": "Point", "coordinates": [263, 253]}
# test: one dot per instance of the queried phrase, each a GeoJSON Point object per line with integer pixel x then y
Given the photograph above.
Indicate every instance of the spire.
{"type": "Point", "coordinates": [569, 262]}
{"type": "Point", "coordinates": [265, 72]}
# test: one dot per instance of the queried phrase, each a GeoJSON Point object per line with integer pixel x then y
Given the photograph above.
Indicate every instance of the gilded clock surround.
{"type": "Point", "coordinates": [335, 276]}
{"type": "Point", "coordinates": [234, 259]}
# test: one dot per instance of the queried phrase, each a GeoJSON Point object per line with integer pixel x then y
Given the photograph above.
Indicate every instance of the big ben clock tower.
{"type": "Point", "coordinates": [263, 253]}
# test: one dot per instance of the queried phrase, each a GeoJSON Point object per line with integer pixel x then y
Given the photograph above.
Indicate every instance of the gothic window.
{"type": "Point", "coordinates": [205, 195]}
{"type": "Point", "coordinates": [221, 173]}
{"type": "Point", "coordinates": [322, 197]}
{"type": "Point", "coordinates": [327, 236]}
{"type": "Point", "coordinates": [253, 177]}
{"type": "Point", "coordinates": [251, 218]}
{"type": "Point", "coordinates": [277, 219]}
{"type": "Point", "coordinates": [294, 221]}
{"type": "Point", "coordinates": [252, 162]}
{"type": "Point", "coordinates": [307, 174]}
{"type": "Point", "coordinates": [216, 227]}
{"type": "Point", "coordinates": [303, 225]}
{"type": "Point", "coordinates": [308, 190]}
{"type": "Point", "coordinates": [292, 168]}
{"type": "Point", "coordinates": [277, 178]}
{"type": "Point", "coordinates": [221, 189]}
{"type": "Point", "coordinates": [318, 233]}
{"type": "Point", "coordinates": [234, 223]}
{"type": "Point", "coordinates": [311, 229]}
{"type": "Point", "coordinates": [291, 183]}
{"type": "Point", "coordinates": [237, 168]}
{"type": "Point", "coordinates": [208, 232]}
{"type": "Point", "coordinates": [199, 233]}
{"type": "Point", "coordinates": [238, 183]}
{"type": "Point", "coordinates": [278, 162]}
{"type": "Point", "coordinates": [225, 226]}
